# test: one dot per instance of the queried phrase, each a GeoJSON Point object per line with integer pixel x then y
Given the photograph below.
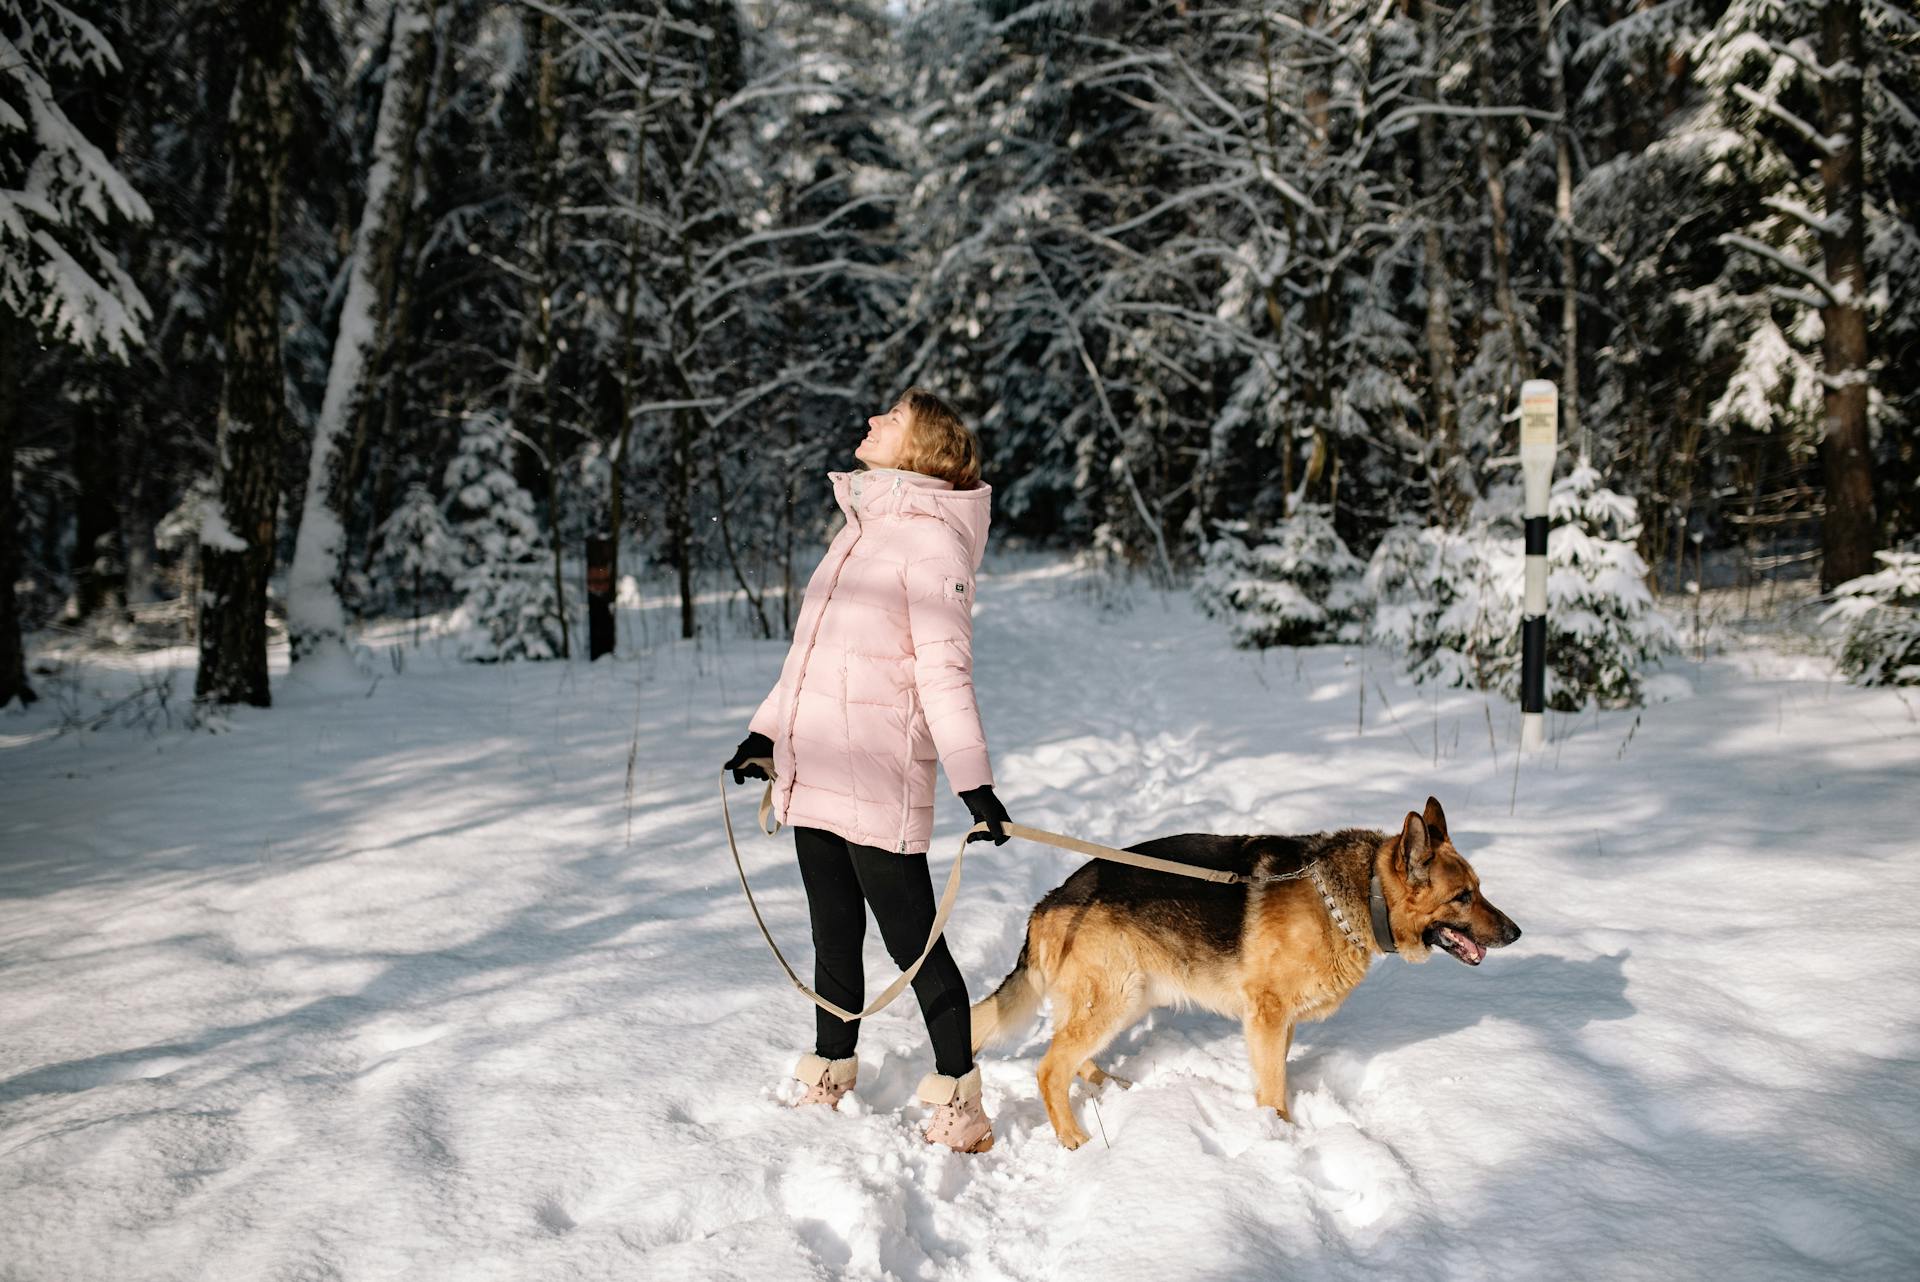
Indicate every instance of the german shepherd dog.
{"type": "Point", "coordinates": [1114, 941]}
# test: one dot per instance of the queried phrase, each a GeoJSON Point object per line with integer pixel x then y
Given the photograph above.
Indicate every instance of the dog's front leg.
{"type": "Point", "coordinates": [1269, 1029]}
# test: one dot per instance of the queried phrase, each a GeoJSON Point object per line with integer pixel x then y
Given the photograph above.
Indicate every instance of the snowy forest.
{"type": "Point", "coordinates": [315, 312]}
{"type": "Point", "coordinates": [416, 428]}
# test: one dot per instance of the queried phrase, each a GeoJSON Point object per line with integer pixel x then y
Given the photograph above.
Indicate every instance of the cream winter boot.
{"type": "Point", "coordinates": [958, 1120]}
{"type": "Point", "coordinates": [827, 1080]}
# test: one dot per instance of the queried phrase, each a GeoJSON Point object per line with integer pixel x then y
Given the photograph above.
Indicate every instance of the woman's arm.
{"type": "Point", "coordinates": [940, 621]}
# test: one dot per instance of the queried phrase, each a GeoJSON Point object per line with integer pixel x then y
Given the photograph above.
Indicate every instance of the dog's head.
{"type": "Point", "coordinates": [1439, 904]}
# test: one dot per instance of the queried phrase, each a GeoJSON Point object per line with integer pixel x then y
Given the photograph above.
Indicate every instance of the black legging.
{"type": "Point", "coordinates": [839, 875]}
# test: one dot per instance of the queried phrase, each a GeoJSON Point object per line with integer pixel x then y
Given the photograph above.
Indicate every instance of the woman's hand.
{"type": "Point", "coordinates": [986, 808]}
{"type": "Point", "coordinates": [742, 764]}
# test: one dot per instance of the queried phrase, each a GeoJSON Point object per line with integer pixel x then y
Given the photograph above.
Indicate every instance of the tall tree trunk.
{"type": "Point", "coordinates": [136, 505]}
{"type": "Point", "coordinates": [315, 620]}
{"type": "Point", "coordinates": [1848, 531]}
{"type": "Point", "coordinates": [1452, 490]}
{"type": "Point", "coordinates": [13, 659]}
{"type": "Point", "coordinates": [96, 567]}
{"type": "Point", "coordinates": [1322, 307]}
{"type": "Point", "coordinates": [630, 316]}
{"type": "Point", "coordinates": [1496, 185]}
{"type": "Point", "coordinates": [236, 559]}
{"type": "Point", "coordinates": [132, 384]}
{"type": "Point", "coordinates": [1276, 315]}
{"type": "Point", "coordinates": [1563, 216]}
{"type": "Point", "coordinates": [680, 515]}
{"type": "Point", "coordinates": [396, 433]}
{"type": "Point", "coordinates": [537, 341]}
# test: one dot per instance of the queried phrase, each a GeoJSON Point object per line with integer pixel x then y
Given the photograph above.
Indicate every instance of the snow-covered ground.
{"type": "Point", "coordinates": [403, 984]}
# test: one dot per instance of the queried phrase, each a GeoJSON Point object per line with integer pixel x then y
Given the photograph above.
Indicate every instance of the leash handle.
{"type": "Point", "coordinates": [766, 798]}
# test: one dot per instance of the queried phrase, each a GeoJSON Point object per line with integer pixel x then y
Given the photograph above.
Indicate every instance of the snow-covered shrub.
{"type": "Point", "coordinates": [1451, 600]}
{"type": "Point", "coordinates": [179, 530]}
{"type": "Point", "coordinates": [1881, 646]}
{"type": "Point", "coordinates": [417, 551]}
{"type": "Point", "coordinates": [509, 610]}
{"type": "Point", "coordinates": [1299, 587]}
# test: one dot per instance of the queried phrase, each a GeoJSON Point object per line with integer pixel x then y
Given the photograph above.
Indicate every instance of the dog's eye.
{"type": "Point", "coordinates": [1465, 896]}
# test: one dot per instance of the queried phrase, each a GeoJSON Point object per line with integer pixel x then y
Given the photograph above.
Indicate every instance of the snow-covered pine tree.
{"type": "Point", "coordinates": [60, 195]}
{"type": "Point", "coordinates": [61, 280]}
{"type": "Point", "coordinates": [416, 551]}
{"type": "Point", "coordinates": [1717, 226]}
{"type": "Point", "coordinates": [1450, 600]}
{"type": "Point", "coordinates": [1880, 644]}
{"type": "Point", "coordinates": [1778, 59]}
{"type": "Point", "coordinates": [507, 576]}
{"type": "Point", "coordinates": [1298, 586]}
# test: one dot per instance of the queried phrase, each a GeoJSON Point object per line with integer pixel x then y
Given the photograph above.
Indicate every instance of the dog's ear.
{"type": "Point", "coordinates": [1436, 821]}
{"type": "Point", "coordinates": [1416, 852]}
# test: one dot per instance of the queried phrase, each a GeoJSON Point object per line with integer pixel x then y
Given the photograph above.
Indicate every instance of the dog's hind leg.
{"type": "Point", "coordinates": [1093, 1075]}
{"type": "Point", "coordinates": [1092, 1012]}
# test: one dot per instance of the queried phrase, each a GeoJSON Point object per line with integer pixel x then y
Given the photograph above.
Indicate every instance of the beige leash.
{"type": "Point", "coordinates": [893, 990]}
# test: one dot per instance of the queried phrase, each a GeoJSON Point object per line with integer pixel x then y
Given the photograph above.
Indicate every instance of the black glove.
{"type": "Point", "coordinates": [754, 745]}
{"type": "Point", "coordinates": [986, 808]}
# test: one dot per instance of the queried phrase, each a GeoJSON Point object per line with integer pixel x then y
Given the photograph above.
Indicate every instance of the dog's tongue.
{"type": "Point", "coordinates": [1470, 951]}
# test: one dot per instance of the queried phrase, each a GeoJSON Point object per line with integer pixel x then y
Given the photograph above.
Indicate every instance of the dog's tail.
{"type": "Point", "coordinates": [1011, 1006]}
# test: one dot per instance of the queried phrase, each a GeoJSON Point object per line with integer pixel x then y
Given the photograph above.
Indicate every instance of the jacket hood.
{"type": "Point", "coordinates": [890, 490]}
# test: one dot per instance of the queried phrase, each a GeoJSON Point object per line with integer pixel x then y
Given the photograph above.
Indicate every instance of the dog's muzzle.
{"type": "Point", "coordinates": [1456, 941]}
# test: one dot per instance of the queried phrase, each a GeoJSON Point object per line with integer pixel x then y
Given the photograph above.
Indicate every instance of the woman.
{"type": "Point", "coordinates": [879, 681]}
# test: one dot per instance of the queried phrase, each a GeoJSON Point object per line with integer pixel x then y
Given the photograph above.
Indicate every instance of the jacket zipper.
{"type": "Point", "coordinates": [800, 679]}
{"type": "Point", "coordinates": [906, 802]}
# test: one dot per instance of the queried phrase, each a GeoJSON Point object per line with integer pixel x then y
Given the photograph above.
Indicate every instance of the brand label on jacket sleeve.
{"type": "Point", "coordinates": [959, 589]}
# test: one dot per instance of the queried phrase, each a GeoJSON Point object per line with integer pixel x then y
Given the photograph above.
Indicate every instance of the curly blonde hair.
{"type": "Point", "coordinates": [938, 443]}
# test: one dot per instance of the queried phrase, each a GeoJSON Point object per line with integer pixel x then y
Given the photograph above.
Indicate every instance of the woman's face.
{"type": "Point", "coordinates": [886, 440]}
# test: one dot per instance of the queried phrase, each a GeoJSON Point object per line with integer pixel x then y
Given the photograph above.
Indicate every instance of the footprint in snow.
{"type": "Point", "coordinates": [1355, 1177]}
{"type": "Point", "coordinates": [552, 1215]}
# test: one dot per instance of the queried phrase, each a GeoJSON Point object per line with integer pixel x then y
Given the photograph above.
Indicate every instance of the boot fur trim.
{"type": "Point", "coordinates": [938, 1088]}
{"type": "Point", "coordinates": [842, 1071]}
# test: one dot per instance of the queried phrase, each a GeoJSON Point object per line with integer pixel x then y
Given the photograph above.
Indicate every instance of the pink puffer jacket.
{"type": "Point", "coordinates": [880, 676]}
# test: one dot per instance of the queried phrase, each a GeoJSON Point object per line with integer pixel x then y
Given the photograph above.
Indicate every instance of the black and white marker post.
{"type": "Point", "coordinates": [1539, 430]}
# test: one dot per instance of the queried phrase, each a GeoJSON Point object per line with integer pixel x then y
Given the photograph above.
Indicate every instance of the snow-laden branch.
{"type": "Point", "coordinates": [1800, 52]}
{"type": "Point", "coordinates": [1400, 117]}
{"type": "Point", "coordinates": [87, 173]}
{"type": "Point", "coordinates": [1897, 15]}
{"type": "Point", "coordinates": [1820, 142]}
{"type": "Point", "coordinates": [1835, 226]}
{"type": "Point", "coordinates": [754, 395]}
{"type": "Point", "coordinates": [611, 51]}
{"type": "Point", "coordinates": [685, 403]}
{"type": "Point", "coordinates": [787, 233]}
{"type": "Point", "coordinates": [1187, 197]}
{"type": "Point", "coordinates": [777, 89]}
{"type": "Point", "coordinates": [1798, 297]}
{"type": "Point", "coordinates": [854, 270]}
{"type": "Point", "coordinates": [1760, 249]}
